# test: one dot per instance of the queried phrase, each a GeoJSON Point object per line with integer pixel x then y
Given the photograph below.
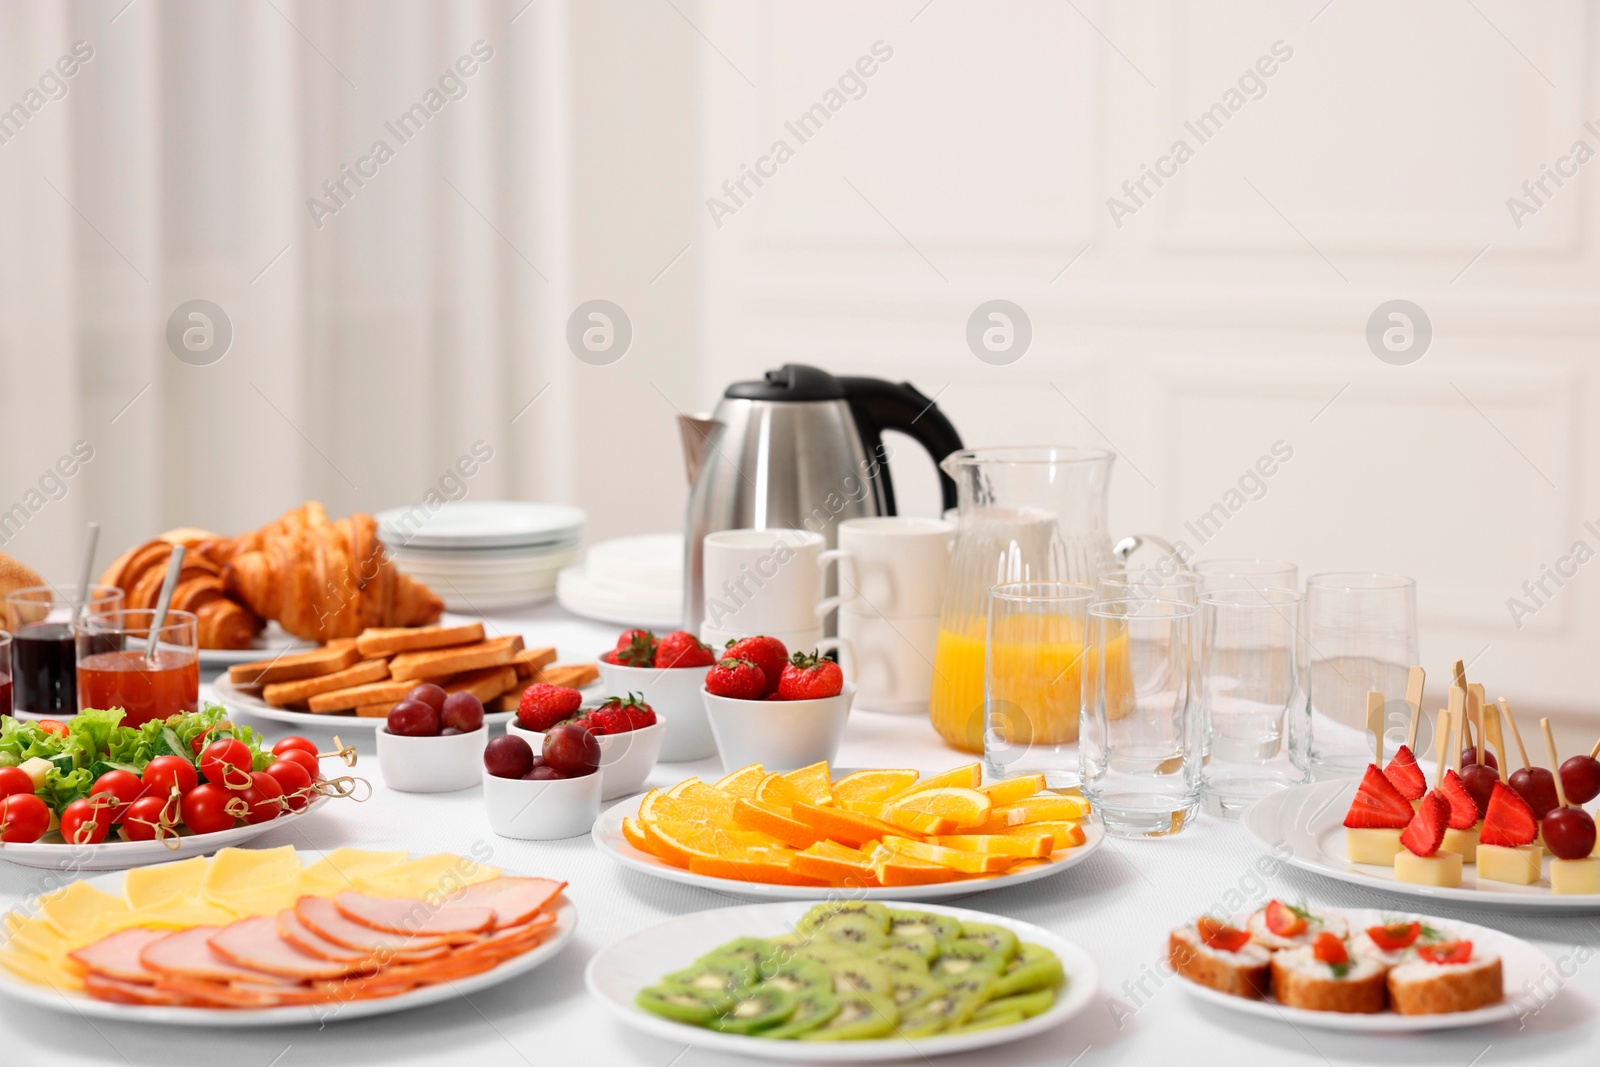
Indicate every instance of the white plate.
{"type": "Point", "coordinates": [582, 595]}
{"type": "Point", "coordinates": [270, 642]}
{"type": "Point", "coordinates": [483, 524]}
{"type": "Point", "coordinates": [85, 1006]}
{"type": "Point", "coordinates": [1521, 966]}
{"type": "Point", "coordinates": [619, 971]}
{"type": "Point", "coordinates": [242, 703]}
{"type": "Point", "coordinates": [1309, 820]}
{"type": "Point", "coordinates": [120, 855]}
{"type": "Point", "coordinates": [607, 834]}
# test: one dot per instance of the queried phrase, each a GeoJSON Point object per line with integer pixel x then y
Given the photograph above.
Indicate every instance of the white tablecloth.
{"type": "Point", "coordinates": [1118, 906]}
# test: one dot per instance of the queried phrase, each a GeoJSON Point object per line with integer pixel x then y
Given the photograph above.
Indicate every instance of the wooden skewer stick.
{"type": "Point", "coordinates": [1458, 674]}
{"type": "Point", "coordinates": [1441, 744]}
{"type": "Point", "coordinates": [1458, 722]}
{"type": "Point", "coordinates": [1594, 753]}
{"type": "Point", "coordinates": [1550, 747]}
{"type": "Point", "coordinates": [1375, 724]}
{"type": "Point", "coordinates": [1414, 684]}
{"type": "Point", "coordinates": [1493, 736]}
{"type": "Point", "coordinates": [1475, 718]}
{"type": "Point", "coordinates": [1516, 734]}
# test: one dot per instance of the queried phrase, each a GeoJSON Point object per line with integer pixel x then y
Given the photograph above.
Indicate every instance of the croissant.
{"type": "Point", "coordinates": [321, 579]}
{"type": "Point", "coordinates": [222, 622]}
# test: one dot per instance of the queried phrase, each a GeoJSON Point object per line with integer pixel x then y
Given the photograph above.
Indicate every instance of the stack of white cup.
{"type": "Point", "coordinates": [891, 584]}
{"type": "Point", "coordinates": [771, 583]}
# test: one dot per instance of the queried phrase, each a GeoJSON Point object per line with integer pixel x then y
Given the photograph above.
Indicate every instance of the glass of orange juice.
{"type": "Point", "coordinates": [1032, 680]}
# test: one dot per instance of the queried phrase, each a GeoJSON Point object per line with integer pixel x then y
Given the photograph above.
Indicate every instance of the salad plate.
{"type": "Point", "coordinates": [1309, 820]}
{"type": "Point", "coordinates": [617, 972]}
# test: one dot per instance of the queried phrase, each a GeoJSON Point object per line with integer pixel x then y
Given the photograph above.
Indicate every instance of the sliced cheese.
{"type": "Point", "coordinates": [342, 868]}
{"type": "Point", "coordinates": [1575, 876]}
{"type": "Point", "coordinates": [33, 936]}
{"type": "Point", "coordinates": [41, 971]}
{"type": "Point", "coordinates": [80, 910]}
{"type": "Point", "coordinates": [1501, 863]}
{"type": "Point", "coordinates": [441, 873]}
{"type": "Point", "coordinates": [235, 869]}
{"type": "Point", "coordinates": [1440, 869]}
{"type": "Point", "coordinates": [1375, 846]}
{"type": "Point", "coordinates": [182, 911]}
{"type": "Point", "coordinates": [146, 886]}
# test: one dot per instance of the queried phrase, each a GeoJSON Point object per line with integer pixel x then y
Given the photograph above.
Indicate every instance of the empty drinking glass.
{"type": "Point", "coordinates": [1246, 574]}
{"type": "Point", "coordinates": [1032, 680]}
{"type": "Point", "coordinates": [1360, 635]}
{"type": "Point", "coordinates": [1149, 583]}
{"type": "Point", "coordinates": [1140, 743]}
{"type": "Point", "coordinates": [1249, 680]}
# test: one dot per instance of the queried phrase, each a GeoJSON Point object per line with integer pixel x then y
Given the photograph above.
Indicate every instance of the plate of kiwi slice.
{"type": "Point", "coordinates": [843, 980]}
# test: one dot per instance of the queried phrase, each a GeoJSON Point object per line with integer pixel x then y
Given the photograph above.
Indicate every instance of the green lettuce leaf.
{"type": "Point", "coordinates": [63, 787]}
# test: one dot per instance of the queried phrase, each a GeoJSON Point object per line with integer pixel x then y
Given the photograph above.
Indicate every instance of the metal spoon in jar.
{"type": "Point", "coordinates": [159, 618]}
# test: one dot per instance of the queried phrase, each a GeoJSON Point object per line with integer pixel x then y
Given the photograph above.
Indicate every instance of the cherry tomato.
{"type": "Point", "coordinates": [23, 818]}
{"type": "Point", "coordinates": [125, 786]}
{"type": "Point", "coordinates": [295, 781]}
{"type": "Point", "coordinates": [205, 809]}
{"type": "Point", "coordinates": [164, 772]}
{"type": "Point", "coordinates": [304, 744]}
{"type": "Point", "coordinates": [312, 765]}
{"type": "Point", "coordinates": [262, 798]}
{"type": "Point", "coordinates": [142, 818]}
{"type": "Point", "coordinates": [227, 763]}
{"type": "Point", "coordinates": [200, 740]}
{"type": "Point", "coordinates": [14, 780]}
{"type": "Point", "coordinates": [53, 726]}
{"type": "Point", "coordinates": [83, 822]}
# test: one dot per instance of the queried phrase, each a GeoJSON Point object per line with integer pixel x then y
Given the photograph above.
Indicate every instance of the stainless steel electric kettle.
{"type": "Point", "coordinates": [799, 449]}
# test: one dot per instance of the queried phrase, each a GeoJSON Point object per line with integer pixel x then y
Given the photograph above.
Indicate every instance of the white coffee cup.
{"type": "Point", "coordinates": [766, 581]}
{"type": "Point", "coordinates": [894, 661]}
{"type": "Point", "coordinates": [894, 566]}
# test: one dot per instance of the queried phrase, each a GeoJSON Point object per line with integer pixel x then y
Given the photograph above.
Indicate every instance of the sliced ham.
{"type": "Point", "coordinates": [208, 994]}
{"type": "Point", "coordinates": [294, 930]}
{"type": "Point", "coordinates": [511, 941]}
{"type": "Point", "coordinates": [102, 987]}
{"type": "Point", "coordinates": [116, 956]}
{"type": "Point", "coordinates": [188, 954]}
{"type": "Point", "coordinates": [513, 900]}
{"type": "Point", "coordinates": [398, 915]}
{"type": "Point", "coordinates": [320, 916]}
{"type": "Point", "coordinates": [256, 944]}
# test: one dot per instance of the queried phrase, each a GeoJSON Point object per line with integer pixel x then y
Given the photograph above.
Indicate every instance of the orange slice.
{"type": "Point", "coordinates": [756, 815]}
{"type": "Point", "coordinates": [963, 807]}
{"type": "Point", "coordinates": [1066, 834]}
{"type": "Point", "coordinates": [965, 862]}
{"type": "Point", "coordinates": [848, 827]}
{"type": "Point", "coordinates": [920, 824]}
{"type": "Point", "coordinates": [752, 865]}
{"type": "Point", "coordinates": [872, 785]}
{"type": "Point", "coordinates": [892, 869]}
{"type": "Point", "coordinates": [777, 793]}
{"type": "Point", "coordinates": [1045, 807]}
{"type": "Point", "coordinates": [679, 843]}
{"type": "Point", "coordinates": [695, 802]}
{"type": "Point", "coordinates": [967, 777]}
{"type": "Point", "coordinates": [1011, 790]}
{"type": "Point", "coordinates": [812, 783]}
{"type": "Point", "coordinates": [834, 864]}
{"type": "Point", "coordinates": [634, 834]}
{"type": "Point", "coordinates": [743, 782]}
{"type": "Point", "coordinates": [1019, 845]}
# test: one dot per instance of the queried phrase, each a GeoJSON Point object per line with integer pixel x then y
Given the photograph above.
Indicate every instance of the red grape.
{"type": "Point", "coordinates": [571, 750]}
{"type": "Point", "coordinates": [508, 756]}
{"type": "Point", "coordinates": [463, 711]}
{"type": "Point", "coordinates": [1538, 787]}
{"type": "Point", "coordinates": [429, 694]}
{"type": "Point", "coordinates": [1480, 781]}
{"type": "Point", "coordinates": [543, 773]}
{"type": "Point", "coordinates": [1469, 755]}
{"type": "Point", "coordinates": [413, 718]}
{"type": "Point", "coordinates": [1569, 833]}
{"type": "Point", "coordinates": [1580, 777]}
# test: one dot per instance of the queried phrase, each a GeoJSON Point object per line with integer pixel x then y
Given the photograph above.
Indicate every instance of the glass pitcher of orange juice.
{"type": "Point", "coordinates": [1026, 514]}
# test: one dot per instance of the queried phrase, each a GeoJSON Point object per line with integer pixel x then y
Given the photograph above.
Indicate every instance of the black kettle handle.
{"type": "Point", "coordinates": [878, 405]}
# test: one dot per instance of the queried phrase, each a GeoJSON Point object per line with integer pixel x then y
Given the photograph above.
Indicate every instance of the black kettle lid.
{"type": "Point", "coordinates": [791, 382]}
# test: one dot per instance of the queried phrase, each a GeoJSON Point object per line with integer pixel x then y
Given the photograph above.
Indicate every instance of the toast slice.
{"type": "Point", "coordinates": [384, 641]}
{"type": "Point", "coordinates": [486, 683]}
{"type": "Point", "coordinates": [283, 694]}
{"type": "Point", "coordinates": [291, 668]}
{"type": "Point", "coordinates": [1418, 987]}
{"type": "Point", "coordinates": [371, 711]}
{"type": "Point", "coordinates": [360, 695]}
{"type": "Point", "coordinates": [530, 660]}
{"type": "Point", "coordinates": [510, 700]}
{"type": "Point", "coordinates": [442, 662]}
{"type": "Point", "coordinates": [572, 675]}
{"type": "Point", "coordinates": [1246, 973]}
{"type": "Point", "coordinates": [1300, 980]}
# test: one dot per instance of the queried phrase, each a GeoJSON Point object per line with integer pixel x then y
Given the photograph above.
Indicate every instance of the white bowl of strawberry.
{"type": "Point", "coordinates": [668, 673]}
{"type": "Point", "coordinates": [629, 730]}
{"type": "Point", "coordinates": [768, 707]}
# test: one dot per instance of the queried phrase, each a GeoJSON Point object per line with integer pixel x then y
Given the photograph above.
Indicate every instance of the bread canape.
{"type": "Point", "coordinates": [1392, 942]}
{"type": "Point", "coordinates": [1221, 957]}
{"type": "Point", "coordinates": [1326, 976]}
{"type": "Point", "coordinates": [1280, 925]}
{"type": "Point", "coordinates": [1445, 976]}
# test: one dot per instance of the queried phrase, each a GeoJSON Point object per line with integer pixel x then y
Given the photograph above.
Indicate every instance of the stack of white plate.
{"type": "Point", "coordinates": [631, 581]}
{"type": "Point", "coordinates": [482, 555]}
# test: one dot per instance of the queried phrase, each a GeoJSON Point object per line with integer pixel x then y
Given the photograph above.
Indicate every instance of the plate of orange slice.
{"type": "Point", "coordinates": [887, 833]}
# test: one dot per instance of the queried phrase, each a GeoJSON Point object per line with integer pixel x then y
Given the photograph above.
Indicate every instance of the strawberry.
{"type": "Point", "coordinates": [1330, 949]}
{"type": "Point", "coordinates": [1394, 936]}
{"type": "Point", "coordinates": [767, 653]}
{"type": "Point", "coordinates": [680, 649]}
{"type": "Point", "coordinates": [1446, 952]}
{"type": "Point", "coordinates": [736, 678]}
{"type": "Point", "coordinates": [623, 714]}
{"type": "Point", "coordinates": [1463, 809]}
{"type": "Point", "coordinates": [635, 648]}
{"type": "Point", "coordinates": [1378, 804]}
{"type": "Point", "coordinates": [1406, 775]}
{"type": "Point", "coordinates": [1220, 936]}
{"type": "Point", "coordinates": [611, 719]}
{"type": "Point", "coordinates": [1285, 921]}
{"type": "Point", "coordinates": [807, 677]}
{"type": "Point", "coordinates": [1509, 821]}
{"type": "Point", "coordinates": [542, 706]}
{"type": "Point", "coordinates": [1425, 833]}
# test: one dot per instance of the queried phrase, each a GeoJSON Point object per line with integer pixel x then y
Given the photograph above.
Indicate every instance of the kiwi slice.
{"type": "Point", "coordinates": [974, 983]}
{"type": "Point", "coordinates": [905, 924]}
{"type": "Point", "coordinates": [756, 1009]}
{"type": "Point", "coordinates": [912, 990]}
{"type": "Point", "coordinates": [1032, 968]}
{"type": "Point", "coordinates": [858, 933]}
{"type": "Point", "coordinates": [900, 959]}
{"type": "Point", "coordinates": [860, 1016]}
{"type": "Point", "coordinates": [795, 974]}
{"type": "Point", "coordinates": [683, 1004]}
{"type": "Point", "coordinates": [753, 950]}
{"type": "Point", "coordinates": [995, 938]}
{"type": "Point", "coordinates": [1029, 1004]}
{"type": "Point", "coordinates": [924, 945]}
{"type": "Point", "coordinates": [819, 915]}
{"type": "Point", "coordinates": [937, 1014]}
{"type": "Point", "coordinates": [715, 975]}
{"type": "Point", "coordinates": [857, 974]}
{"type": "Point", "coordinates": [988, 1022]}
{"type": "Point", "coordinates": [961, 957]}
{"type": "Point", "coordinates": [812, 1008]}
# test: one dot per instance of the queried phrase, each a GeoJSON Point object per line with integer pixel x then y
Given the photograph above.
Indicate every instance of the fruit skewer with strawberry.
{"type": "Point", "coordinates": [1506, 849]}
{"type": "Point", "coordinates": [1403, 770]}
{"type": "Point", "coordinates": [1380, 811]}
{"type": "Point", "coordinates": [1461, 833]}
{"type": "Point", "coordinates": [1422, 861]}
{"type": "Point", "coordinates": [1536, 785]}
{"type": "Point", "coordinates": [1569, 834]}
